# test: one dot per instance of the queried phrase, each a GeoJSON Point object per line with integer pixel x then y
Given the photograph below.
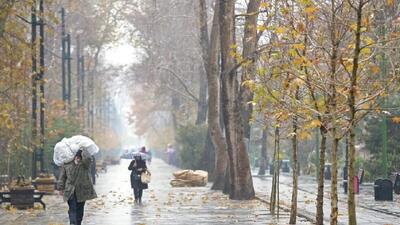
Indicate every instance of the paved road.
{"type": "Point", "coordinates": [162, 204]}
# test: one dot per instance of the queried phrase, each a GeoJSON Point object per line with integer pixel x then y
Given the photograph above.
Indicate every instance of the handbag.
{"type": "Point", "coordinates": [145, 177]}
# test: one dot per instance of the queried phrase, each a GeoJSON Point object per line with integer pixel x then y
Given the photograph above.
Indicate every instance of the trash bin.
{"type": "Point", "coordinates": [383, 190]}
{"type": "Point", "coordinates": [285, 166]}
{"type": "Point", "coordinates": [396, 185]}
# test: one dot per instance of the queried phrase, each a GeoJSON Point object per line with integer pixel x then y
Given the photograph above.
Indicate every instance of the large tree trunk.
{"type": "Point", "coordinates": [320, 194]}
{"type": "Point", "coordinates": [241, 182]}
{"type": "Point", "coordinates": [208, 157]}
{"type": "Point", "coordinates": [248, 72]}
{"type": "Point", "coordinates": [216, 134]}
{"type": "Point", "coordinates": [263, 154]}
{"type": "Point", "coordinates": [204, 42]}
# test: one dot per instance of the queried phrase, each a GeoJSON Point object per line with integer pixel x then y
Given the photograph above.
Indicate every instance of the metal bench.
{"type": "Point", "coordinates": [5, 197]}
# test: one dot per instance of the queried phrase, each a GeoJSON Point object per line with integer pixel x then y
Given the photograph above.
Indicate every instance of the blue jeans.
{"type": "Point", "coordinates": [75, 211]}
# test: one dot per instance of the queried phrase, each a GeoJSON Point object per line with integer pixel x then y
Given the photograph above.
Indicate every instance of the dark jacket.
{"type": "Point", "coordinates": [137, 167]}
{"type": "Point", "coordinates": [76, 178]}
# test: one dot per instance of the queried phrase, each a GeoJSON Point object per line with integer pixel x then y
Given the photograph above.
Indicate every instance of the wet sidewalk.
{"type": "Point", "coordinates": [368, 210]}
{"type": "Point", "coordinates": [162, 204]}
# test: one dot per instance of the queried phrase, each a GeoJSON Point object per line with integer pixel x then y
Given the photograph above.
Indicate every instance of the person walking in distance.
{"type": "Point", "coordinates": [171, 155]}
{"type": "Point", "coordinates": [76, 186]}
{"type": "Point", "coordinates": [138, 167]}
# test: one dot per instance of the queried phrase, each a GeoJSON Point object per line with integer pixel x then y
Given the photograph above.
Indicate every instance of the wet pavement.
{"type": "Point", "coordinates": [368, 210]}
{"type": "Point", "coordinates": [162, 204]}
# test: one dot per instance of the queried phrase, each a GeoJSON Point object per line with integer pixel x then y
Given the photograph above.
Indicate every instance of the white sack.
{"type": "Point", "coordinates": [65, 150]}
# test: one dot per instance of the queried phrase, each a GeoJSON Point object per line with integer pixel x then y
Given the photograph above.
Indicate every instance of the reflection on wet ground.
{"type": "Point", "coordinates": [162, 204]}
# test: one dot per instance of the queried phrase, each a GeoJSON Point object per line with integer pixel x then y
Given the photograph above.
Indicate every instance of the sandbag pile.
{"type": "Point", "coordinates": [189, 178]}
{"type": "Point", "coordinates": [66, 149]}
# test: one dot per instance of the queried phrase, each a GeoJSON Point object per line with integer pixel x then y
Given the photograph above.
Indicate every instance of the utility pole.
{"type": "Point", "coordinates": [83, 79]}
{"type": "Point", "coordinates": [41, 79]}
{"type": "Point", "coordinates": [78, 72]}
{"type": "Point", "coordinates": [34, 87]}
{"type": "Point", "coordinates": [381, 16]}
{"type": "Point", "coordinates": [90, 102]}
{"type": "Point", "coordinates": [317, 152]}
{"type": "Point", "coordinates": [83, 88]}
{"type": "Point", "coordinates": [69, 70]}
{"type": "Point", "coordinates": [64, 91]}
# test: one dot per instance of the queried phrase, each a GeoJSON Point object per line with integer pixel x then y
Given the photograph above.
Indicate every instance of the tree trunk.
{"type": "Point", "coordinates": [241, 183]}
{"type": "Point", "coordinates": [202, 103]}
{"type": "Point", "coordinates": [320, 194]}
{"type": "Point", "coordinates": [334, 194]}
{"type": "Point", "coordinates": [227, 185]}
{"type": "Point", "coordinates": [332, 109]}
{"type": "Point", "coordinates": [263, 155]}
{"type": "Point", "coordinates": [248, 72]}
{"type": "Point", "coordinates": [293, 207]}
{"type": "Point", "coordinates": [204, 42]}
{"type": "Point", "coordinates": [351, 205]}
{"type": "Point", "coordinates": [208, 157]}
{"type": "Point", "coordinates": [274, 192]}
{"type": "Point", "coordinates": [216, 135]}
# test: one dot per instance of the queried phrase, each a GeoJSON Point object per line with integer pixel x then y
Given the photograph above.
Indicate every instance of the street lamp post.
{"type": "Point", "coordinates": [346, 164]}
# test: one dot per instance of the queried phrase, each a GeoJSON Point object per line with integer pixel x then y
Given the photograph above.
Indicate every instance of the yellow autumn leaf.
{"type": "Point", "coordinates": [353, 26]}
{"type": "Point", "coordinates": [375, 69]}
{"type": "Point", "coordinates": [261, 28]}
{"type": "Point", "coordinates": [368, 41]}
{"type": "Point", "coordinates": [366, 51]}
{"type": "Point", "coordinates": [299, 46]}
{"type": "Point", "coordinates": [249, 84]}
{"type": "Point", "coordinates": [315, 123]}
{"type": "Point", "coordinates": [396, 119]}
{"type": "Point", "coordinates": [264, 5]}
{"type": "Point", "coordinates": [292, 52]}
{"type": "Point", "coordinates": [310, 10]}
{"type": "Point", "coordinates": [280, 30]}
{"type": "Point", "coordinates": [298, 61]}
{"type": "Point", "coordinates": [304, 135]}
{"type": "Point", "coordinates": [390, 2]}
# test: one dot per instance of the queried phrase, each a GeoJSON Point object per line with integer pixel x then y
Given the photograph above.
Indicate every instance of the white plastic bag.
{"type": "Point", "coordinates": [78, 141]}
{"type": "Point", "coordinates": [62, 153]}
{"type": "Point", "coordinates": [65, 150]}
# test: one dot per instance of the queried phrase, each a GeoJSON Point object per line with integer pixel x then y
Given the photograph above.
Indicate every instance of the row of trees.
{"type": "Point", "coordinates": [90, 24]}
{"type": "Point", "coordinates": [297, 66]}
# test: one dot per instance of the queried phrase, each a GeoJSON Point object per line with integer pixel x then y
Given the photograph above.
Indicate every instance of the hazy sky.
{"type": "Point", "coordinates": [123, 54]}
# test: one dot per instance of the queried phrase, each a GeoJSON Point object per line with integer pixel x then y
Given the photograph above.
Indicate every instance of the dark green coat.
{"type": "Point", "coordinates": [76, 178]}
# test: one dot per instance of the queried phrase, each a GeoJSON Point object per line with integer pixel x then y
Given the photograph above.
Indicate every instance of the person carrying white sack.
{"type": "Point", "coordinates": [74, 155]}
{"type": "Point", "coordinates": [75, 185]}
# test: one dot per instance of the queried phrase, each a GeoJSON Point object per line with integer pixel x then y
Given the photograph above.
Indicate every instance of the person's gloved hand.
{"type": "Point", "coordinates": [79, 153]}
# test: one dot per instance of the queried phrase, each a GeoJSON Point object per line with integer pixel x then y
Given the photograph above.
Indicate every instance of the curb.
{"type": "Point", "coordinates": [286, 208]}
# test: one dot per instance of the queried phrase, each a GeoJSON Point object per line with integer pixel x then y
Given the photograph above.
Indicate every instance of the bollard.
{"type": "Point", "coordinates": [356, 185]}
